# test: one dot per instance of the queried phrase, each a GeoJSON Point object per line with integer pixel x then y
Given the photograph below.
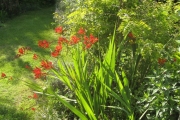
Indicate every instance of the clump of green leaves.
{"type": "Point", "coordinates": [98, 17]}
{"type": "Point", "coordinates": [151, 32]}
{"type": "Point", "coordinates": [161, 98]}
{"type": "Point", "coordinates": [153, 28]}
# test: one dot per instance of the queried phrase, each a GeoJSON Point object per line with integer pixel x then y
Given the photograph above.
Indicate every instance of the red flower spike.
{"type": "Point", "coordinates": [28, 67]}
{"type": "Point", "coordinates": [46, 64]}
{"type": "Point", "coordinates": [59, 29]}
{"type": "Point", "coordinates": [88, 45]}
{"type": "Point", "coordinates": [35, 96]}
{"type": "Point", "coordinates": [86, 38]}
{"type": "Point", "coordinates": [33, 109]}
{"type": "Point", "coordinates": [81, 31]}
{"type": "Point", "coordinates": [35, 57]}
{"type": "Point", "coordinates": [62, 40]}
{"type": "Point", "coordinates": [58, 48]}
{"type": "Point", "coordinates": [74, 40]}
{"type": "Point", "coordinates": [130, 35]}
{"type": "Point", "coordinates": [161, 61]}
{"type": "Point", "coordinates": [37, 72]}
{"type": "Point", "coordinates": [43, 44]}
{"type": "Point", "coordinates": [93, 39]}
{"type": "Point", "coordinates": [55, 53]}
{"type": "Point", "coordinates": [89, 41]}
{"type": "Point", "coordinates": [174, 60]}
{"type": "Point", "coordinates": [3, 75]}
{"type": "Point", "coordinates": [21, 50]}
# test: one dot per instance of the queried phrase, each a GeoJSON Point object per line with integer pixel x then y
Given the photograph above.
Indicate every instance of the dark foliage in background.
{"type": "Point", "coordinates": [11, 8]}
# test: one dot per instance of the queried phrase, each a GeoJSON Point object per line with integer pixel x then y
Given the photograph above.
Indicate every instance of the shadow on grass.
{"type": "Point", "coordinates": [7, 112]}
{"type": "Point", "coordinates": [24, 30]}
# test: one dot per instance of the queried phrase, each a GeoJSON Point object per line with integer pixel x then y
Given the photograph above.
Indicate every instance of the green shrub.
{"type": "Point", "coordinates": [3, 15]}
{"type": "Point", "coordinates": [132, 73]}
{"type": "Point", "coordinates": [11, 8]}
{"type": "Point", "coordinates": [150, 32]}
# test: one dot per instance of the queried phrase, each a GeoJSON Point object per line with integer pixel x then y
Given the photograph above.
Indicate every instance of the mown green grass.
{"type": "Point", "coordinates": [24, 30]}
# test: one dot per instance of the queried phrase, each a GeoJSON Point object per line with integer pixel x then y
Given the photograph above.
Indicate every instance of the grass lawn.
{"type": "Point", "coordinates": [24, 30]}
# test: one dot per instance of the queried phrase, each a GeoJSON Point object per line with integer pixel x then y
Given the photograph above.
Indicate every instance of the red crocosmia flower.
{"type": "Point", "coordinates": [174, 60]}
{"type": "Point", "coordinates": [35, 57]}
{"type": "Point", "coordinates": [28, 67]}
{"type": "Point", "coordinates": [89, 41]}
{"type": "Point", "coordinates": [43, 44]}
{"type": "Point", "coordinates": [37, 72]}
{"type": "Point", "coordinates": [55, 53]}
{"type": "Point", "coordinates": [58, 47]}
{"type": "Point", "coordinates": [46, 65]}
{"type": "Point", "coordinates": [62, 40]}
{"type": "Point", "coordinates": [130, 35]}
{"type": "Point", "coordinates": [93, 39]}
{"type": "Point", "coordinates": [21, 50]}
{"type": "Point", "coordinates": [161, 61]}
{"type": "Point", "coordinates": [74, 40]}
{"type": "Point", "coordinates": [81, 31]}
{"type": "Point", "coordinates": [59, 29]}
{"type": "Point", "coordinates": [88, 45]}
{"type": "Point", "coordinates": [35, 96]}
{"type": "Point", "coordinates": [33, 109]}
{"type": "Point", "coordinates": [3, 75]}
{"type": "Point", "coordinates": [86, 38]}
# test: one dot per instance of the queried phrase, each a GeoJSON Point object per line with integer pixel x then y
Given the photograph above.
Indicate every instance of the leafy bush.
{"type": "Point", "coordinates": [161, 98]}
{"type": "Point", "coordinates": [97, 16]}
{"type": "Point", "coordinates": [3, 15]}
{"type": "Point", "coordinates": [10, 8]}
{"type": "Point", "coordinates": [147, 46]}
{"type": "Point", "coordinates": [132, 75]}
{"type": "Point", "coordinates": [151, 35]}
{"type": "Point", "coordinates": [89, 78]}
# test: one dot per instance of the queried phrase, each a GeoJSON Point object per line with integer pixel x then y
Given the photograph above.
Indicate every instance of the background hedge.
{"type": "Point", "coordinates": [11, 8]}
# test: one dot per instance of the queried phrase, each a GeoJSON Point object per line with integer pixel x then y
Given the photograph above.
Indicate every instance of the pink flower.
{"type": "Point", "coordinates": [89, 41]}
